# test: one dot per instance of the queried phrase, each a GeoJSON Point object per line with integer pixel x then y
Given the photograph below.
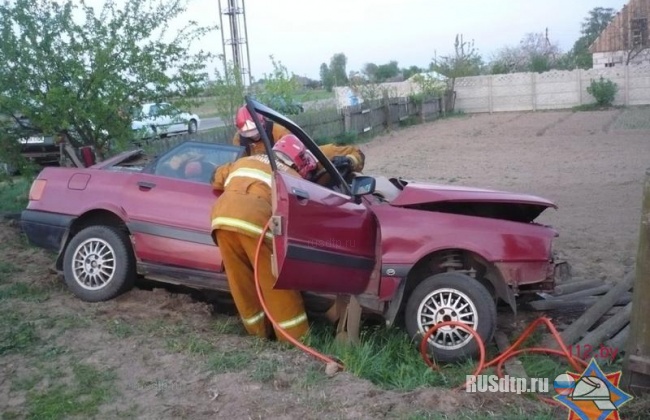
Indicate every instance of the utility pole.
{"type": "Point", "coordinates": [636, 365]}
{"type": "Point", "coordinates": [236, 38]}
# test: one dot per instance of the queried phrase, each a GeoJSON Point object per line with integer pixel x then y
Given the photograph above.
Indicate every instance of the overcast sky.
{"type": "Point", "coordinates": [305, 33]}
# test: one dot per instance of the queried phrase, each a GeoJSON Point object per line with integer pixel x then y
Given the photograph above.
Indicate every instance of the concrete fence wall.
{"type": "Point", "coordinates": [531, 91]}
{"type": "Point", "coordinates": [550, 90]}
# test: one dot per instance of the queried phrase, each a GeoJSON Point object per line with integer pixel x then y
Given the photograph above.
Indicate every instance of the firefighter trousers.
{"type": "Point", "coordinates": [285, 306]}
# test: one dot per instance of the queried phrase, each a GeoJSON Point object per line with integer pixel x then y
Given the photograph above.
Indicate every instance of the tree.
{"type": "Point", "coordinates": [465, 61]}
{"type": "Point", "coordinates": [74, 73]}
{"type": "Point", "coordinates": [326, 77]}
{"type": "Point", "coordinates": [413, 70]}
{"type": "Point", "coordinates": [278, 86]}
{"type": "Point", "coordinates": [228, 93]}
{"type": "Point", "coordinates": [337, 69]}
{"type": "Point", "coordinates": [535, 53]}
{"type": "Point", "coordinates": [591, 27]}
{"type": "Point", "coordinates": [334, 74]}
{"type": "Point", "coordinates": [387, 71]}
{"type": "Point", "coordinates": [370, 71]}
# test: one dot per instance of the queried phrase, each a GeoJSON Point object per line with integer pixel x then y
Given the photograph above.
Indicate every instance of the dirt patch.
{"type": "Point", "coordinates": [167, 355]}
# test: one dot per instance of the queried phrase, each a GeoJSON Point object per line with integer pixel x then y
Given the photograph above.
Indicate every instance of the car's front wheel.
{"type": "Point", "coordinates": [99, 264]}
{"type": "Point", "coordinates": [191, 127]}
{"type": "Point", "coordinates": [451, 297]}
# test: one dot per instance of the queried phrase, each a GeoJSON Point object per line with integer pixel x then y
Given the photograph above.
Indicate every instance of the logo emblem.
{"type": "Point", "coordinates": [592, 395]}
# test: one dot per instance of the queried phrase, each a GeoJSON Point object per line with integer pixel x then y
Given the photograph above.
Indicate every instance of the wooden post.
{"type": "Point", "coordinates": [386, 104]}
{"type": "Point", "coordinates": [347, 119]}
{"type": "Point", "coordinates": [636, 365]}
{"type": "Point", "coordinates": [421, 111]}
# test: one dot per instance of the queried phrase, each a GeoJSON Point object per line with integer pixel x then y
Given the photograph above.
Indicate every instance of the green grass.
{"type": "Point", "coordinates": [265, 369]}
{"type": "Point", "coordinates": [388, 358]}
{"type": "Point", "coordinates": [206, 107]}
{"type": "Point", "coordinates": [230, 361]}
{"type": "Point", "coordinates": [6, 271]}
{"type": "Point", "coordinates": [16, 334]}
{"type": "Point", "coordinates": [88, 389]}
{"type": "Point", "coordinates": [229, 325]}
{"type": "Point", "coordinates": [314, 95]}
{"type": "Point", "coordinates": [120, 328]}
{"type": "Point", "coordinates": [24, 292]}
{"type": "Point", "coordinates": [13, 194]}
{"type": "Point", "coordinates": [191, 344]}
{"type": "Point", "coordinates": [634, 118]}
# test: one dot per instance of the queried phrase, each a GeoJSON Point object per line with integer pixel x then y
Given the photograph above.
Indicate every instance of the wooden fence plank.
{"type": "Point", "coordinates": [589, 318]}
{"type": "Point", "coordinates": [607, 329]}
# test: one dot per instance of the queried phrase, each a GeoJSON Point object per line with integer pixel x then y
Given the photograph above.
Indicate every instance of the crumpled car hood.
{"type": "Point", "coordinates": [472, 201]}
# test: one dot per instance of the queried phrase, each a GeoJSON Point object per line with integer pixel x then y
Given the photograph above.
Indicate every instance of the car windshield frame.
{"type": "Point", "coordinates": [255, 107]}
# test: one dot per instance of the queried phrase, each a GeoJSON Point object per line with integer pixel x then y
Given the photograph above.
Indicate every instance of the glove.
{"type": "Point", "coordinates": [342, 164]}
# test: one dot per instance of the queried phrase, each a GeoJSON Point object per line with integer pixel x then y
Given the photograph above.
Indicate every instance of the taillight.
{"type": "Point", "coordinates": [36, 191]}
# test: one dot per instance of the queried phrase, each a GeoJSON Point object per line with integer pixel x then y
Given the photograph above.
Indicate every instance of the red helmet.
{"type": "Point", "coordinates": [292, 152]}
{"type": "Point", "coordinates": [245, 124]}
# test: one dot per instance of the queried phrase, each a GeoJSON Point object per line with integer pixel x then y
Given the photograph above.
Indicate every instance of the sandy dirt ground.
{"type": "Point", "coordinates": [170, 356]}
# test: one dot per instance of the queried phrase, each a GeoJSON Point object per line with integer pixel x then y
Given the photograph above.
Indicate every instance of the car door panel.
{"type": "Point", "coordinates": [170, 221]}
{"type": "Point", "coordinates": [323, 241]}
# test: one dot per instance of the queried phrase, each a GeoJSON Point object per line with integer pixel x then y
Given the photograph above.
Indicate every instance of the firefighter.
{"type": "Point", "coordinates": [248, 136]}
{"type": "Point", "coordinates": [238, 218]}
{"type": "Point", "coordinates": [346, 159]}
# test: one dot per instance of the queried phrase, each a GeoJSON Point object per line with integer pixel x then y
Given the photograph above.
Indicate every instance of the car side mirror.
{"type": "Point", "coordinates": [362, 185]}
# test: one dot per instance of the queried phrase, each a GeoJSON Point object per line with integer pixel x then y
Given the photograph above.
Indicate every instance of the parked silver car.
{"type": "Point", "coordinates": [160, 119]}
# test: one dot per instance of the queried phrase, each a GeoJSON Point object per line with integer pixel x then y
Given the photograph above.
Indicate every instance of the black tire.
{"type": "Point", "coordinates": [104, 247]}
{"type": "Point", "coordinates": [452, 344]}
{"type": "Point", "coordinates": [192, 127]}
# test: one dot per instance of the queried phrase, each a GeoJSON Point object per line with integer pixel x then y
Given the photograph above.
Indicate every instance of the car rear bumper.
{"type": "Point", "coordinates": [45, 230]}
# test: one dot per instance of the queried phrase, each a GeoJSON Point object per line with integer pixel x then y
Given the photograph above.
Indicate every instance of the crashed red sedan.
{"type": "Point", "coordinates": [414, 253]}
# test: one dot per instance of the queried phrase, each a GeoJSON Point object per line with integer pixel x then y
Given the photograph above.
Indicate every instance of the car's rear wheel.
{"type": "Point", "coordinates": [99, 264]}
{"type": "Point", "coordinates": [191, 127]}
{"type": "Point", "coordinates": [451, 297]}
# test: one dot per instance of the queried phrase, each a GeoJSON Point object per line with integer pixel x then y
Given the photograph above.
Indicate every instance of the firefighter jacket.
{"type": "Point", "coordinates": [274, 131]}
{"type": "Point", "coordinates": [245, 204]}
{"type": "Point", "coordinates": [356, 156]}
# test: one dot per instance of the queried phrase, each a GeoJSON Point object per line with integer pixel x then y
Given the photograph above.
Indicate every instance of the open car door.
{"type": "Point", "coordinates": [323, 241]}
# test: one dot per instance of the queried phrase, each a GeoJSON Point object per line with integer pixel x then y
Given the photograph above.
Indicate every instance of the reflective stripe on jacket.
{"type": "Point", "coordinates": [245, 204]}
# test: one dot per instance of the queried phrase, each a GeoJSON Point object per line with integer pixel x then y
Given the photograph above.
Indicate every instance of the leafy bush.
{"type": "Point", "coordinates": [603, 90]}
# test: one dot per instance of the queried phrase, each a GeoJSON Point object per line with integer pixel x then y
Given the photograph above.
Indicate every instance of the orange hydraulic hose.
{"type": "Point", "coordinates": [511, 351]}
{"type": "Point", "coordinates": [277, 327]}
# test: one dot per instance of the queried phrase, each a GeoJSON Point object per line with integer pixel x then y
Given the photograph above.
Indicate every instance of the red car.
{"type": "Point", "coordinates": [414, 253]}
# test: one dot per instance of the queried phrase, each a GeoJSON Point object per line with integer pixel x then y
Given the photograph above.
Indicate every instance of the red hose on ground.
{"type": "Point", "coordinates": [512, 351]}
{"type": "Point", "coordinates": [289, 338]}
{"type": "Point", "coordinates": [577, 363]}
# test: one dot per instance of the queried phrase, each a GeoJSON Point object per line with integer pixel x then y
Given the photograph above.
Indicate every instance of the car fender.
{"type": "Point", "coordinates": [117, 211]}
{"type": "Point", "coordinates": [493, 275]}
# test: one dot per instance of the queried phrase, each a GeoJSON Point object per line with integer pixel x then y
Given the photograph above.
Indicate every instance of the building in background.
{"type": "Point", "coordinates": [625, 40]}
